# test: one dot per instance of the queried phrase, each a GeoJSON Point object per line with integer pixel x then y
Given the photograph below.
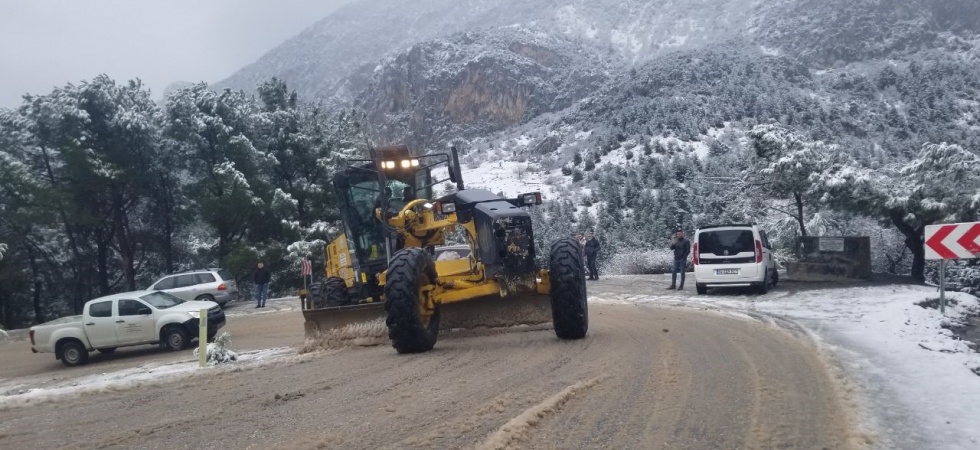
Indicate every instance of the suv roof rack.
{"type": "Point", "coordinates": [727, 225]}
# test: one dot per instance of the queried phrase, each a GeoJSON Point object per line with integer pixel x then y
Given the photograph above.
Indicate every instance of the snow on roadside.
{"type": "Point", "coordinates": [921, 376]}
{"type": "Point", "coordinates": [22, 392]}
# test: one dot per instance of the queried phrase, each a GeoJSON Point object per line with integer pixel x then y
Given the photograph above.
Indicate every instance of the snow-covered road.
{"type": "Point", "coordinates": [914, 384]}
{"type": "Point", "coordinates": [918, 382]}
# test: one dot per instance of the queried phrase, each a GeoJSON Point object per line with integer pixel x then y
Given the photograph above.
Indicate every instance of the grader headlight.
{"type": "Point", "coordinates": [447, 208]}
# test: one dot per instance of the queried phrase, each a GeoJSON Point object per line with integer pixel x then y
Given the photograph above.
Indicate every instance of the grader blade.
{"type": "Point", "coordinates": [496, 312]}
{"type": "Point", "coordinates": [483, 312]}
{"type": "Point", "coordinates": [322, 320]}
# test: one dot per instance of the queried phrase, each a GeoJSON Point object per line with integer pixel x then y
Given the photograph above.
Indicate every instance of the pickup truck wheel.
{"type": "Point", "coordinates": [73, 354]}
{"type": "Point", "coordinates": [107, 350]}
{"type": "Point", "coordinates": [175, 338]}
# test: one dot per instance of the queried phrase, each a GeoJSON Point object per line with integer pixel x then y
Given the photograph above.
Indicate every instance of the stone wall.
{"type": "Point", "coordinates": [827, 258]}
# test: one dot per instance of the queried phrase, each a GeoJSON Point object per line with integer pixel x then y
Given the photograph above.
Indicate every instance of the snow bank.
{"type": "Point", "coordinates": [219, 351]}
{"type": "Point", "coordinates": [638, 262]}
{"type": "Point", "coordinates": [23, 392]}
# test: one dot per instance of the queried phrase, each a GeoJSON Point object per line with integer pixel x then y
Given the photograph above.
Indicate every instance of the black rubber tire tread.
{"type": "Point", "coordinates": [775, 277]}
{"type": "Point", "coordinates": [76, 346]}
{"type": "Point", "coordinates": [569, 304]}
{"type": "Point", "coordinates": [314, 292]}
{"type": "Point", "coordinates": [165, 338]}
{"type": "Point", "coordinates": [107, 350]}
{"type": "Point", "coordinates": [334, 292]}
{"type": "Point", "coordinates": [409, 270]}
{"type": "Point", "coordinates": [702, 289]}
{"type": "Point", "coordinates": [763, 288]}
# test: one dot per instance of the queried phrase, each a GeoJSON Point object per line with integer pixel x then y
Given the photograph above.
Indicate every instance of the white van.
{"type": "Point", "coordinates": [733, 256]}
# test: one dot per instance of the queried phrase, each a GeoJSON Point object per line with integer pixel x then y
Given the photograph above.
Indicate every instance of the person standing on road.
{"type": "Point", "coordinates": [682, 248]}
{"type": "Point", "coordinates": [591, 253]}
{"type": "Point", "coordinates": [262, 277]}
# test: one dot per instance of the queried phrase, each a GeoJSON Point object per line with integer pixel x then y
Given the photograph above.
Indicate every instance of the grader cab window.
{"type": "Point", "coordinates": [365, 230]}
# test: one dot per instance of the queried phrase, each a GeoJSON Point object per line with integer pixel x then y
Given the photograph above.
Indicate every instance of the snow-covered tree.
{"type": "Point", "coordinates": [213, 130]}
{"type": "Point", "coordinates": [937, 186]}
{"type": "Point", "coordinates": [785, 164]}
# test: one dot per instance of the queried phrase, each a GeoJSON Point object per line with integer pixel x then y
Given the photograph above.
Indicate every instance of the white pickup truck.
{"type": "Point", "coordinates": [121, 320]}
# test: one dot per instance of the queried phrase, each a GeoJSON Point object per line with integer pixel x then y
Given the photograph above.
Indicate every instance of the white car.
{"type": "Point", "coordinates": [121, 320]}
{"type": "Point", "coordinates": [216, 285]}
{"type": "Point", "coordinates": [733, 256]}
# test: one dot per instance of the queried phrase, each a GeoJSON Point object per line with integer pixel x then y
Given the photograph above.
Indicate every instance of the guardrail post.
{"type": "Point", "coordinates": [202, 338]}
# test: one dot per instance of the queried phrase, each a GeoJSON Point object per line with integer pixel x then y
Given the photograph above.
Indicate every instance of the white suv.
{"type": "Point", "coordinates": [733, 256]}
{"type": "Point", "coordinates": [216, 285]}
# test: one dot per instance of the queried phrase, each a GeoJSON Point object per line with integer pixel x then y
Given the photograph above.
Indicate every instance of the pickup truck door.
{"type": "Point", "coordinates": [100, 325]}
{"type": "Point", "coordinates": [134, 324]}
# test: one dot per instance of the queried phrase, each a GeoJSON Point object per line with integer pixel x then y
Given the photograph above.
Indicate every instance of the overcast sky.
{"type": "Point", "coordinates": [47, 43]}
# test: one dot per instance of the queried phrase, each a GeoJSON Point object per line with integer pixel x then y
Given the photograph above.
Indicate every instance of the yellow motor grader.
{"type": "Point", "coordinates": [381, 265]}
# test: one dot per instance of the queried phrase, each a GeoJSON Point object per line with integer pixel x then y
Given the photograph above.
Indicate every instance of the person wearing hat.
{"type": "Point", "coordinates": [682, 248]}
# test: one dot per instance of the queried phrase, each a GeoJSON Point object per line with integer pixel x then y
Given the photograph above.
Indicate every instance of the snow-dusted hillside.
{"type": "Point", "coordinates": [334, 59]}
{"type": "Point", "coordinates": [474, 83]}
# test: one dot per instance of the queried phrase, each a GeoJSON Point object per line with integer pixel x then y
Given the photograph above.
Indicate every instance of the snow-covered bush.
{"type": "Point", "coordinates": [963, 276]}
{"type": "Point", "coordinates": [638, 262]}
{"type": "Point", "coordinates": [219, 351]}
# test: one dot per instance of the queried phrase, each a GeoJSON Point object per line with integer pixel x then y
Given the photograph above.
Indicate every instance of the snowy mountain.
{"type": "Point", "coordinates": [640, 116]}
{"type": "Point", "coordinates": [334, 58]}
{"type": "Point", "coordinates": [478, 82]}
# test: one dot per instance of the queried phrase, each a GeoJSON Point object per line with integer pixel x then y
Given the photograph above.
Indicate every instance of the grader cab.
{"type": "Point", "coordinates": [382, 264]}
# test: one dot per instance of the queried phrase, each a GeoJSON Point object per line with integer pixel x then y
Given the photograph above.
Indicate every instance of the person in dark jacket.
{"type": "Point", "coordinates": [262, 276]}
{"type": "Point", "coordinates": [591, 253]}
{"type": "Point", "coordinates": [682, 248]}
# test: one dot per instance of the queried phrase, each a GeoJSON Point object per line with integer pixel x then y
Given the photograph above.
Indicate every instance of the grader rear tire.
{"type": "Point", "coordinates": [569, 308]}
{"type": "Point", "coordinates": [334, 290]}
{"type": "Point", "coordinates": [410, 270]}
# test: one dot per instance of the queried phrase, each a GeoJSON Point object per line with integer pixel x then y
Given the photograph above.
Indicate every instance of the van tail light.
{"type": "Point", "coordinates": [31, 333]}
{"type": "Point", "coordinates": [696, 260]}
{"type": "Point", "coordinates": [758, 251]}
{"type": "Point", "coordinates": [222, 287]}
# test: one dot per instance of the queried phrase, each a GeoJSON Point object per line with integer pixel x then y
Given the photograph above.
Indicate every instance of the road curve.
{"type": "Point", "coordinates": [645, 377]}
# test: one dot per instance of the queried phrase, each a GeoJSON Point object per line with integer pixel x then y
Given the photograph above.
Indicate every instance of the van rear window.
{"type": "Point", "coordinates": [726, 242]}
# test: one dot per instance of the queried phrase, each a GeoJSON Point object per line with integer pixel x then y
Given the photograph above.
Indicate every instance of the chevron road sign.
{"type": "Point", "coordinates": [953, 241]}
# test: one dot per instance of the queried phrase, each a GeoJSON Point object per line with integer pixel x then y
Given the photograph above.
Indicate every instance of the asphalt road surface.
{"type": "Point", "coordinates": [645, 377]}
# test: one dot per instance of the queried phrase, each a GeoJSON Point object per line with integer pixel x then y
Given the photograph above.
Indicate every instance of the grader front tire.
{"type": "Point", "coordinates": [569, 308]}
{"type": "Point", "coordinates": [410, 270]}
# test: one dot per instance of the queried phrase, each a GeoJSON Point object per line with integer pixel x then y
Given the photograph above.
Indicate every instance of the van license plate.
{"type": "Point", "coordinates": [726, 271]}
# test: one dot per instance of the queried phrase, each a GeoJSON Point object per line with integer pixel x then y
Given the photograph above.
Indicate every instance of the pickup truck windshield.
{"type": "Point", "coordinates": [161, 300]}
